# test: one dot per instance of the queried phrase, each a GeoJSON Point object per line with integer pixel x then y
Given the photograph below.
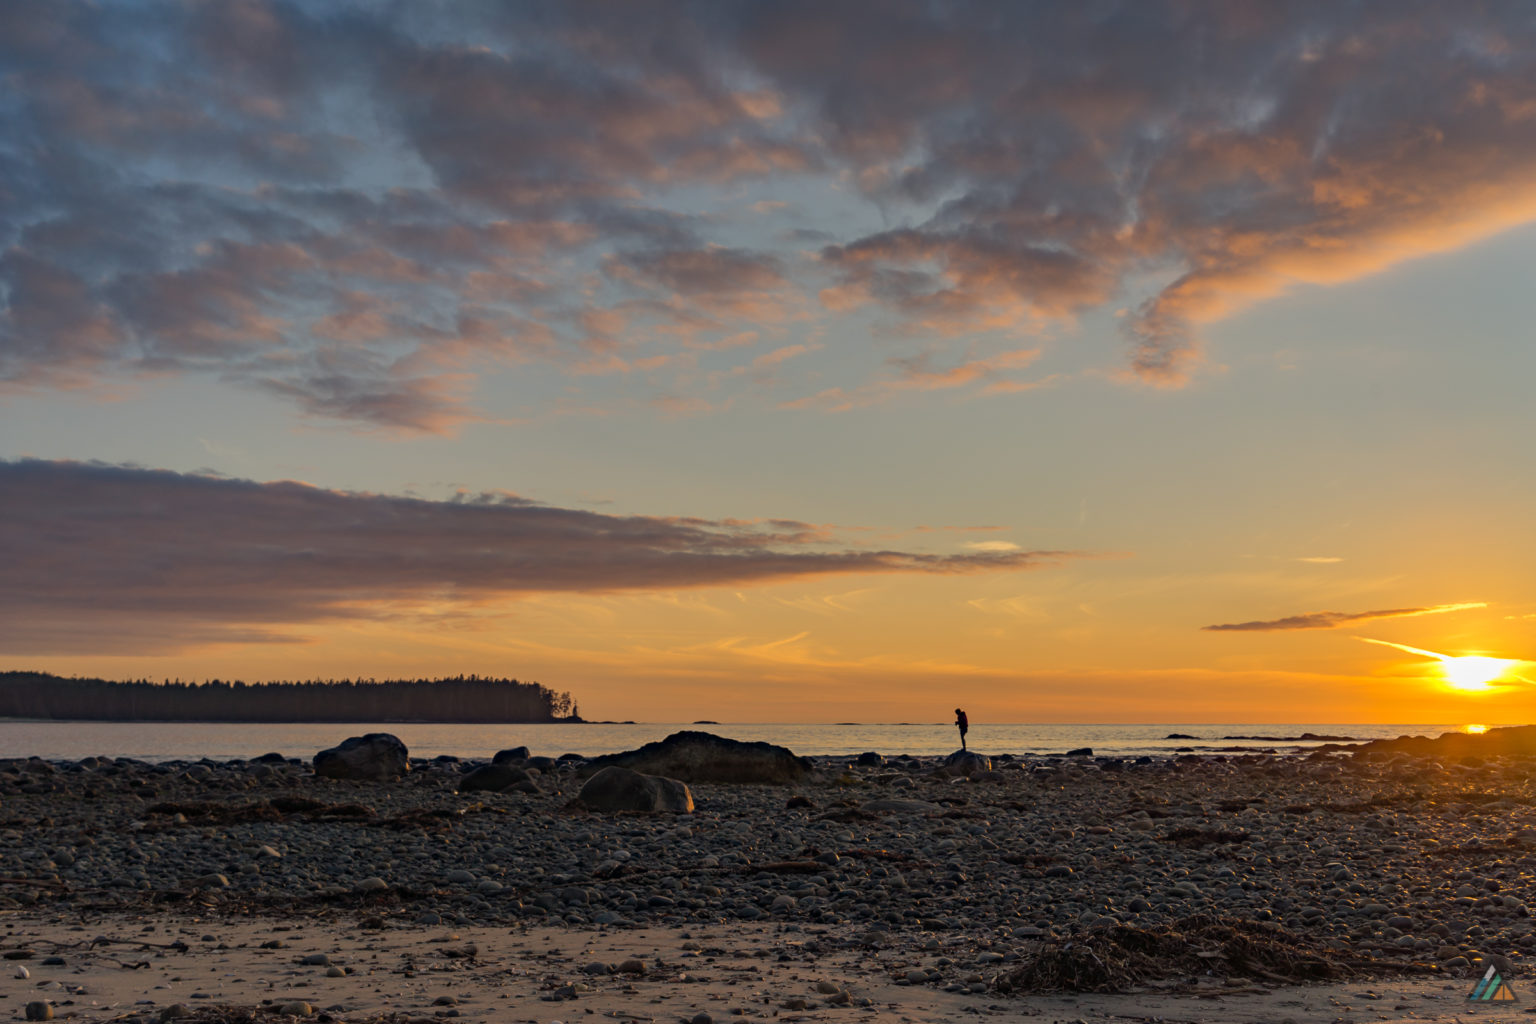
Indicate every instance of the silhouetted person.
{"type": "Point", "coordinates": [964, 724]}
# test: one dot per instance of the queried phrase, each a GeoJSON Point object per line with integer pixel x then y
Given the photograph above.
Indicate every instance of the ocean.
{"type": "Point", "coordinates": [173, 741]}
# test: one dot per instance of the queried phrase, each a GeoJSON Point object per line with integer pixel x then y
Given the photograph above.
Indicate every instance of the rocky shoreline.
{"type": "Point", "coordinates": [1372, 861]}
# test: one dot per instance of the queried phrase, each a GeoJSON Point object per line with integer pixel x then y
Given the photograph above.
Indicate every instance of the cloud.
{"type": "Point", "coordinates": [1331, 620]}
{"type": "Point", "coordinates": [363, 210]}
{"type": "Point", "coordinates": [918, 374]}
{"type": "Point", "coordinates": [114, 558]}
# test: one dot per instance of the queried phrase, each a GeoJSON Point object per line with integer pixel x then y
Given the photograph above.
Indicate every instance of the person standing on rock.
{"type": "Point", "coordinates": [964, 724]}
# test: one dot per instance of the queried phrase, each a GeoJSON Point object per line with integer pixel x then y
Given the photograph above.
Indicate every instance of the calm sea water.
{"type": "Point", "coordinates": [171, 741]}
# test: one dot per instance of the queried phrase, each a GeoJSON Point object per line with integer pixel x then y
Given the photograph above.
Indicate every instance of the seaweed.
{"type": "Point", "coordinates": [1124, 958]}
{"type": "Point", "coordinates": [1197, 838]}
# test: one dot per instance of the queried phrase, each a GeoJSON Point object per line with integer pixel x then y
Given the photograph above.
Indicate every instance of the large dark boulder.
{"type": "Point", "coordinates": [377, 757]}
{"type": "Point", "coordinates": [497, 778]}
{"type": "Point", "coordinates": [511, 755]}
{"type": "Point", "coordinates": [619, 789]}
{"type": "Point", "coordinates": [704, 757]}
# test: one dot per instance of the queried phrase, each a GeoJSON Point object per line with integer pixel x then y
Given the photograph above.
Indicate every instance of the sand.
{"type": "Point", "coordinates": [750, 972]}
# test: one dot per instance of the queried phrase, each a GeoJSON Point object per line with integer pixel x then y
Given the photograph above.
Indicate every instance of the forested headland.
{"type": "Point", "coordinates": [458, 699]}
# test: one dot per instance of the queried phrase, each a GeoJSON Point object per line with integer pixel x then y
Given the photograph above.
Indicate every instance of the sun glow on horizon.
{"type": "Point", "coordinates": [1471, 673]}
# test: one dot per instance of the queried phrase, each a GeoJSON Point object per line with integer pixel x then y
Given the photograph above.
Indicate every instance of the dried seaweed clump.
{"type": "Point", "coordinates": [1124, 958]}
{"type": "Point", "coordinates": [275, 810]}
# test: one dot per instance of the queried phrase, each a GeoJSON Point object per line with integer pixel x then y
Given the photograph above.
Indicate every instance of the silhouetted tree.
{"type": "Point", "coordinates": [460, 699]}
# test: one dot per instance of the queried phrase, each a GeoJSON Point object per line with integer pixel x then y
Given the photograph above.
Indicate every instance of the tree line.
{"type": "Point", "coordinates": [461, 698]}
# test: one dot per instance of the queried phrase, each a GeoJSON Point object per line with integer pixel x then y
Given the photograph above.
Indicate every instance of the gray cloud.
{"type": "Point", "coordinates": [353, 207]}
{"type": "Point", "coordinates": [1332, 620]}
{"type": "Point", "coordinates": [119, 558]}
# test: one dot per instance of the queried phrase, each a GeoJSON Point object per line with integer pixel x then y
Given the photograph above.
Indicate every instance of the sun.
{"type": "Point", "coordinates": [1473, 673]}
{"type": "Point", "coordinates": [1469, 673]}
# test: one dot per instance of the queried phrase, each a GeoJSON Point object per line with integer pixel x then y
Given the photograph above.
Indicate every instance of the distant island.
{"type": "Point", "coordinates": [458, 699]}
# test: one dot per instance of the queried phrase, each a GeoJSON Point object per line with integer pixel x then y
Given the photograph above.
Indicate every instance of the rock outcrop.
{"type": "Point", "coordinates": [704, 757]}
{"type": "Point", "coordinates": [376, 757]}
{"type": "Point", "coordinates": [620, 789]}
{"type": "Point", "coordinates": [1514, 741]}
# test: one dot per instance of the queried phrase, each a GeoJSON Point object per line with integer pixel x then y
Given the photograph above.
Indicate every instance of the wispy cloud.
{"type": "Point", "coordinates": [111, 558]}
{"type": "Point", "coordinates": [918, 374]}
{"type": "Point", "coordinates": [1332, 620]}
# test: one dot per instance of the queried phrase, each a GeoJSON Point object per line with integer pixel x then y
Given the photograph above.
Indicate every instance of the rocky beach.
{"type": "Point", "coordinates": [1380, 878]}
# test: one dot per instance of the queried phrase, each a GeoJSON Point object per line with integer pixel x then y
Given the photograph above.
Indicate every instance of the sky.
{"type": "Point", "coordinates": [1099, 362]}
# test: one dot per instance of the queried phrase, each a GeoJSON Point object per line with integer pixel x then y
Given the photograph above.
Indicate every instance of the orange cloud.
{"type": "Point", "coordinates": [917, 375]}
{"type": "Point", "coordinates": [1332, 620]}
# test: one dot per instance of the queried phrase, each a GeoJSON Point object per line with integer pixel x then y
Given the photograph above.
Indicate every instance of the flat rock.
{"type": "Point", "coordinates": [897, 805]}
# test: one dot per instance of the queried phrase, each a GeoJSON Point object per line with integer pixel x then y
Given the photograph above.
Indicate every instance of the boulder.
{"type": "Point", "coordinates": [497, 778]}
{"type": "Point", "coordinates": [704, 757]}
{"type": "Point", "coordinates": [967, 763]}
{"type": "Point", "coordinates": [870, 759]}
{"type": "Point", "coordinates": [378, 756]}
{"type": "Point", "coordinates": [510, 754]}
{"type": "Point", "coordinates": [1081, 752]}
{"type": "Point", "coordinates": [619, 789]}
